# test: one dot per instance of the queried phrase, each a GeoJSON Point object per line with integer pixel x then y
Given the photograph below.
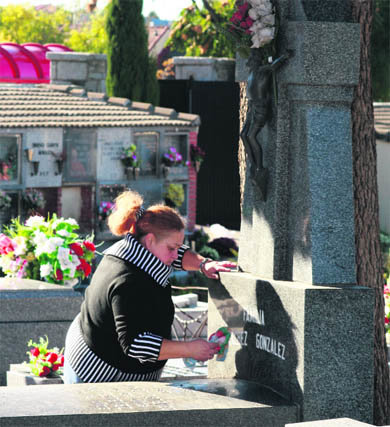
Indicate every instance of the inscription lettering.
{"type": "Point", "coordinates": [270, 345]}
{"type": "Point", "coordinates": [254, 317]}
{"type": "Point", "coordinates": [242, 337]}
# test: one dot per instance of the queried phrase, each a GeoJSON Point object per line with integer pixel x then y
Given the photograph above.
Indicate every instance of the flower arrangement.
{"type": "Point", "coordinates": [105, 208]}
{"type": "Point", "coordinates": [44, 361]}
{"type": "Point", "coordinates": [5, 200]}
{"type": "Point", "coordinates": [172, 157]}
{"type": "Point", "coordinates": [48, 250]}
{"type": "Point", "coordinates": [129, 157]}
{"type": "Point", "coordinates": [197, 155]}
{"type": "Point", "coordinates": [33, 199]}
{"type": "Point", "coordinates": [254, 23]}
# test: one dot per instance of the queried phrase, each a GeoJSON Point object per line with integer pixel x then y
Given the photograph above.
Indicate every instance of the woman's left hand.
{"type": "Point", "coordinates": [211, 269]}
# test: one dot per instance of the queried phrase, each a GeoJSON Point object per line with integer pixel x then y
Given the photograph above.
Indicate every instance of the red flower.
{"type": "Point", "coordinates": [387, 320]}
{"type": "Point", "coordinates": [51, 357]}
{"type": "Point", "coordinates": [61, 360]}
{"type": "Point", "coordinates": [59, 275]}
{"type": "Point", "coordinates": [85, 267]}
{"type": "Point", "coordinates": [77, 249]}
{"type": "Point", "coordinates": [35, 352]}
{"type": "Point", "coordinates": [55, 367]}
{"type": "Point", "coordinates": [89, 246]}
{"type": "Point", "coordinates": [45, 371]}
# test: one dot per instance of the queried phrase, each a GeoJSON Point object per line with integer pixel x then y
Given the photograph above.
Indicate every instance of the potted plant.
{"type": "Point", "coordinates": [48, 250]}
{"type": "Point", "coordinates": [197, 156]}
{"type": "Point", "coordinates": [131, 161]}
{"type": "Point", "coordinates": [174, 195]}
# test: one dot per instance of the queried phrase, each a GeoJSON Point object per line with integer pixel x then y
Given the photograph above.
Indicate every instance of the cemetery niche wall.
{"type": "Point", "coordinates": [70, 144]}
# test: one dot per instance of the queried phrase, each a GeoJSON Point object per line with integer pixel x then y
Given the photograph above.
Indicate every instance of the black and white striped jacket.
{"type": "Point", "coordinates": [126, 314]}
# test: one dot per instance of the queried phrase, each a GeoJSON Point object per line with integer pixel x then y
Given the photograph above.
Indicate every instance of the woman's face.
{"type": "Point", "coordinates": [166, 248]}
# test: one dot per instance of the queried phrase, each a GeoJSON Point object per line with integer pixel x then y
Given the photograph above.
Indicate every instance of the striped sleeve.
{"type": "Point", "coordinates": [146, 347]}
{"type": "Point", "coordinates": [178, 261]}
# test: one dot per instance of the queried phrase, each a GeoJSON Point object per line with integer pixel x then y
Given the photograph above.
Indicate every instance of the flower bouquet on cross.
{"type": "Point", "coordinates": [48, 250]}
{"type": "Point", "coordinates": [44, 361]}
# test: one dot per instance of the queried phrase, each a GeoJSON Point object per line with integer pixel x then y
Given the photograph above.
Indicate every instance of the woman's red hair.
{"type": "Point", "coordinates": [157, 219]}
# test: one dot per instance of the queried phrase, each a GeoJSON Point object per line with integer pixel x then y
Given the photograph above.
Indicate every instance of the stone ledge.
{"type": "Point", "coordinates": [137, 403]}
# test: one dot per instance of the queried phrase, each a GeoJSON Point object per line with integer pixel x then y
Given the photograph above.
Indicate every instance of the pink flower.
{"type": "Point", "coordinates": [59, 275]}
{"type": "Point", "coordinates": [35, 352]}
{"type": "Point", "coordinates": [77, 249]}
{"type": "Point", "coordinates": [386, 289]}
{"type": "Point", "coordinates": [6, 245]}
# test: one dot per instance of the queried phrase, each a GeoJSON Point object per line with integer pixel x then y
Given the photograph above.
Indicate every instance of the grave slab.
{"type": "Point", "coordinates": [141, 404]}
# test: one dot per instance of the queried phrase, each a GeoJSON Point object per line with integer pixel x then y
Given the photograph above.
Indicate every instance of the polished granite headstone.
{"type": "Point", "coordinates": [30, 309]}
{"type": "Point", "coordinates": [142, 404]}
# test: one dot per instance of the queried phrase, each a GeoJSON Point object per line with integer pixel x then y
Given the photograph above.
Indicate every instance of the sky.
{"type": "Point", "coordinates": [165, 9]}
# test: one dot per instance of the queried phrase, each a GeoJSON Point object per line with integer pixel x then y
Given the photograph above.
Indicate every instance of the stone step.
{"type": "Point", "coordinates": [176, 403]}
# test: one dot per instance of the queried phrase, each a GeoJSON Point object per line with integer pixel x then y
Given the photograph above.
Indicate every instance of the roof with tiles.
{"type": "Point", "coordinates": [382, 120]}
{"type": "Point", "coordinates": [71, 106]}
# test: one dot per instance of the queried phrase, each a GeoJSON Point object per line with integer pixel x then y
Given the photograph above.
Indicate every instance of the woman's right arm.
{"type": "Point", "coordinates": [198, 349]}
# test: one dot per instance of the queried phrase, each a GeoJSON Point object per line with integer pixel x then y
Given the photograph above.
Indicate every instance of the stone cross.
{"type": "Point", "coordinates": [300, 325]}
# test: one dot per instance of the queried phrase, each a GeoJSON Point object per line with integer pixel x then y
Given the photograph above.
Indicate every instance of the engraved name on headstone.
{"type": "Point", "coordinates": [110, 144]}
{"type": "Point", "coordinates": [45, 144]}
{"type": "Point", "coordinates": [147, 148]}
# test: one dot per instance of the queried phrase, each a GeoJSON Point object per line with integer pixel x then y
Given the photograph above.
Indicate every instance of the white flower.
{"type": "Point", "coordinates": [35, 221]}
{"type": "Point", "coordinates": [63, 233]}
{"type": "Point", "coordinates": [262, 37]}
{"type": "Point", "coordinates": [63, 258]}
{"type": "Point", "coordinates": [21, 246]}
{"type": "Point", "coordinates": [45, 269]}
{"type": "Point", "coordinates": [268, 20]}
{"type": "Point", "coordinates": [39, 240]}
{"type": "Point", "coordinates": [253, 13]}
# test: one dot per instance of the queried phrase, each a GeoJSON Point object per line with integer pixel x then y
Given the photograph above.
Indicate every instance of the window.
{"type": "Point", "coordinates": [10, 159]}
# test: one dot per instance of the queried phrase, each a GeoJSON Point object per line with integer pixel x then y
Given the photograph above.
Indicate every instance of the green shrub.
{"type": "Point", "coordinates": [208, 252]}
{"type": "Point", "coordinates": [175, 194]}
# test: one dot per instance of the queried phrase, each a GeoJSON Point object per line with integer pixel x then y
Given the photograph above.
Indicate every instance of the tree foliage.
{"type": "Point", "coordinates": [92, 37]}
{"type": "Point", "coordinates": [127, 52]}
{"type": "Point", "coordinates": [380, 51]}
{"type": "Point", "coordinates": [195, 34]}
{"type": "Point", "coordinates": [21, 24]}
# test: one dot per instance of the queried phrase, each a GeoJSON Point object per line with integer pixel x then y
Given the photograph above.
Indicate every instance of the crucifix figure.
{"type": "Point", "coordinates": [259, 109]}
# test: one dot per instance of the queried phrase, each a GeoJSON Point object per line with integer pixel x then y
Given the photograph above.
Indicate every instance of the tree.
{"type": "Point", "coordinates": [127, 52]}
{"type": "Point", "coordinates": [380, 47]}
{"type": "Point", "coordinates": [195, 33]}
{"type": "Point", "coordinates": [368, 253]}
{"type": "Point", "coordinates": [92, 37]}
{"type": "Point", "coordinates": [21, 24]}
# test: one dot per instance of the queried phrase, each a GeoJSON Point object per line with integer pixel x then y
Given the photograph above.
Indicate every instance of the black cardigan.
{"type": "Point", "coordinates": [121, 303]}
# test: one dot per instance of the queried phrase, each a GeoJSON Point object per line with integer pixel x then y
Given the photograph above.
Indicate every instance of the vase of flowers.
{"type": "Point", "coordinates": [172, 162]}
{"type": "Point", "coordinates": [44, 361]}
{"type": "Point", "coordinates": [131, 162]}
{"type": "Point", "coordinates": [197, 156]}
{"type": "Point", "coordinates": [49, 250]}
